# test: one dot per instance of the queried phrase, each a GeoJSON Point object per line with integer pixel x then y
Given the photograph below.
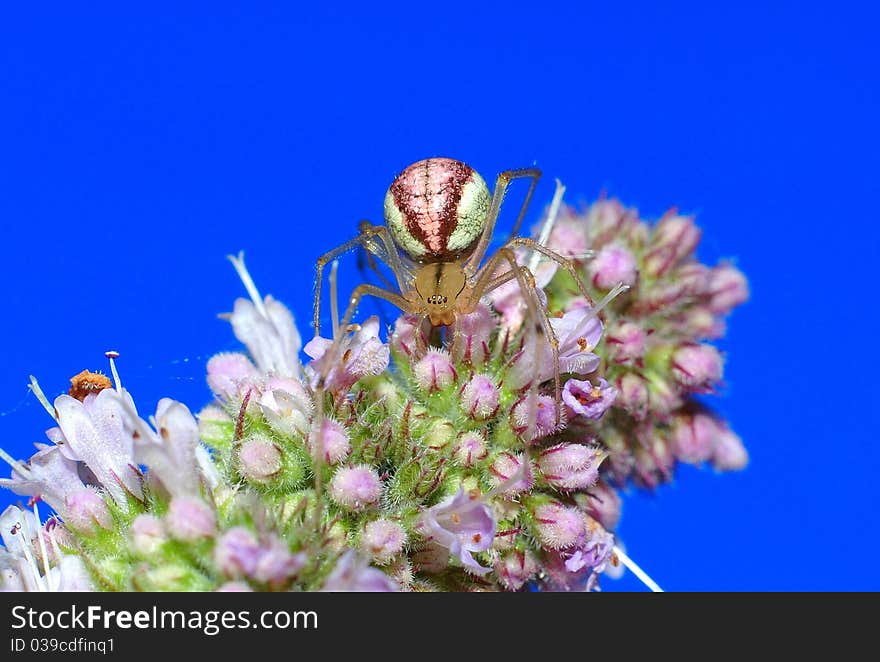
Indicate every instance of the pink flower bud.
{"type": "Point", "coordinates": [728, 288]}
{"type": "Point", "coordinates": [237, 552]}
{"type": "Point", "coordinates": [470, 449]}
{"type": "Point", "coordinates": [408, 338]}
{"type": "Point", "coordinates": [335, 442]}
{"type": "Point", "coordinates": [86, 512]}
{"type": "Point", "coordinates": [570, 466]}
{"type": "Point", "coordinates": [147, 534]}
{"type": "Point", "coordinates": [632, 395]}
{"type": "Point", "coordinates": [383, 540]}
{"type": "Point", "coordinates": [230, 375]}
{"type": "Point", "coordinates": [625, 342]}
{"type": "Point", "coordinates": [542, 412]}
{"type": "Point", "coordinates": [516, 568]}
{"type": "Point", "coordinates": [729, 453]}
{"type": "Point", "coordinates": [277, 565]}
{"type": "Point", "coordinates": [558, 526]}
{"type": "Point", "coordinates": [355, 488]}
{"type": "Point", "coordinates": [612, 265]}
{"type": "Point", "coordinates": [434, 371]}
{"type": "Point", "coordinates": [674, 238]}
{"type": "Point", "coordinates": [604, 504]}
{"type": "Point", "coordinates": [189, 519]}
{"type": "Point", "coordinates": [697, 367]}
{"type": "Point", "coordinates": [259, 459]}
{"type": "Point", "coordinates": [693, 437]}
{"type": "Point", "coordinates": [569, 237]}
{"type": "Point", "coordinates": [510, 475]}
{"type": "Point", "coordinates": [472, 334]}
{"type": "Point", "coordinates": [479, 397]}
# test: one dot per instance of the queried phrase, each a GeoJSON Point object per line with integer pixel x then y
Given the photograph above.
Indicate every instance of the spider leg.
{"type": "Point", "coordinates": [501, 183]}
{"type": "Point", "coordinates": [540, 326]}
{"type": "Point", "coordinates": [368, 259]}
{"type": "Point", "coordinates": [563, 262]}
{"type": "Point", "coordinates": [365, 239]}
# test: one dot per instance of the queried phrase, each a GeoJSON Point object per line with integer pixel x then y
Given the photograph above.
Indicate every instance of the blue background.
{"type": "Point", "coordinates": [138, 149]}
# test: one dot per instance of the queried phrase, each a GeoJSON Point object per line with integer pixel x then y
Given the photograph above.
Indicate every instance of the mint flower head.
{"type": "Point", "coordinates": [426, 464]}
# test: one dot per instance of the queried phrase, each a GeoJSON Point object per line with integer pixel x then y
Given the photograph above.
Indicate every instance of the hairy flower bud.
{"type": "Point", "coordinates": [470, 449]}
{"type": "Point", "coordinates": [190, 519]}
{"type": "Point", "coordinates": [434, 371]}
{"type": "Point", "coordinates": [625, 341]}
{"type": "Point", "coordinates": [86, 511]}
{"type": "Point", "coordinates": [259, 459]}
{"type": "Point", "coordinates": [479, 397]}
{"type": "Point", "coordinates": [355, 488]}
{"type": "Point", "coordinates": [558, 526]}
{"type": "Point", "coordinates": [383, 540]}
{"type": "Point", "coordinates": [729, 453]}
{"type": "Point", "coordinates": [697, 367]}
{"type": "Point", "coordinates": [612, 265]}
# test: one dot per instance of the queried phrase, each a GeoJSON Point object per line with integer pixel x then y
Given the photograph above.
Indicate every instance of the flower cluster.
{"type": "Point", "coordinates": [430, 467]}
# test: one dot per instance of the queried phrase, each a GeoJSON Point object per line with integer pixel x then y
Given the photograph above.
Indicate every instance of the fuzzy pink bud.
{"type": "Point", "coordinates": [612, 265]}
{"type": "Point", "coordinates": [383, 540]}
{"type": "Point", "coordinates": [625, 342]}
{"type": "Point", "coordinates": [470, 449]}
{"type": "Point", "coordinates": [189, 519]}
{"type": "Point", "coordinates": [604, 504]}
{"type": "Point", "coordinates": [632, 395]}
{"type": "Point", "coordinates": [434, 371]}
{"type": "Point", "coordinates": [540, 415]}
{"type": "Point", "coordinates": [335, 442]}
{"type": "Point", "coordinates": [480, 397]}
{"type": "Point", "coordinates": [230, 375]}
{"type": "Point", "coordinates": [510, 475]}
{"type": "Point", "coordinates": [147, 534]}
{"type": "Point", "coordinates": [729, 453]}
{"type": "Point", "coordinates": [86, 512]}
{"type": "Point", "coordinates": [259, 459]}
{"type": "Point", "coordinates": [237, 552]}
{"type": "Point", "coordinates": [473, 333]}
{"type": "Point", "coordinates": [570, 466]}
{"type": "Point", "coordinates": [355, 488]}
{"type": "Point", "coordinates": [674, 238]}
{"type": "Point", "coordinates": [693, 437]}
{"type": "Point", "coordinates": [558, 526]}
{"type": "Point", "coordinates": [516, 568]}
{"type": "Point", "coordinates": [407, 338]}
{"type": "Point", "coordinates": [277, 565]}
{"type": "Point", "coordinates": [697, 367]}
{"type": "Point", "coordinates": [728, 288]}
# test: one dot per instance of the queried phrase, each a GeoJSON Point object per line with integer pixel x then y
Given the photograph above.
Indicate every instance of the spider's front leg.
{"type": "Point", "coordinates": [539, 326]}
{"type": "Point", "coordinates": [366, 238]}
{"type": "Point", "coordinates": [501, 183]}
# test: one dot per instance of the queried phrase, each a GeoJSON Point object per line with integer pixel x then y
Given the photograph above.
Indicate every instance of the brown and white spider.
{"type": "Point", "coordinates": [439, 221]}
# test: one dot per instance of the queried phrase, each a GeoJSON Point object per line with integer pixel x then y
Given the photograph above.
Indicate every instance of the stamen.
{"type": "Point", "coordinates": [112, 355]}
{"type": "Point", "coordinates": [43, 549]}
{"type": "Point", "coordinates": [29, 556]}
{"type": "Point", "coordinates": [334, 293]}
{"type": "Point", "coordinates": [636, 570]}
{"type": "Point", "coordinates": [547, 227]}
{"type": "Point", "coordinates": [253, 293]}
{"type": "Point", "coordinates": [19, 467]}
{"type": "Point", "coordinates": [35, 387]}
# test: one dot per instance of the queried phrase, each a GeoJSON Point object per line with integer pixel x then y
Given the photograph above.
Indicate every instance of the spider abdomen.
{"type": "Point", "coordinates": [437, 208]}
